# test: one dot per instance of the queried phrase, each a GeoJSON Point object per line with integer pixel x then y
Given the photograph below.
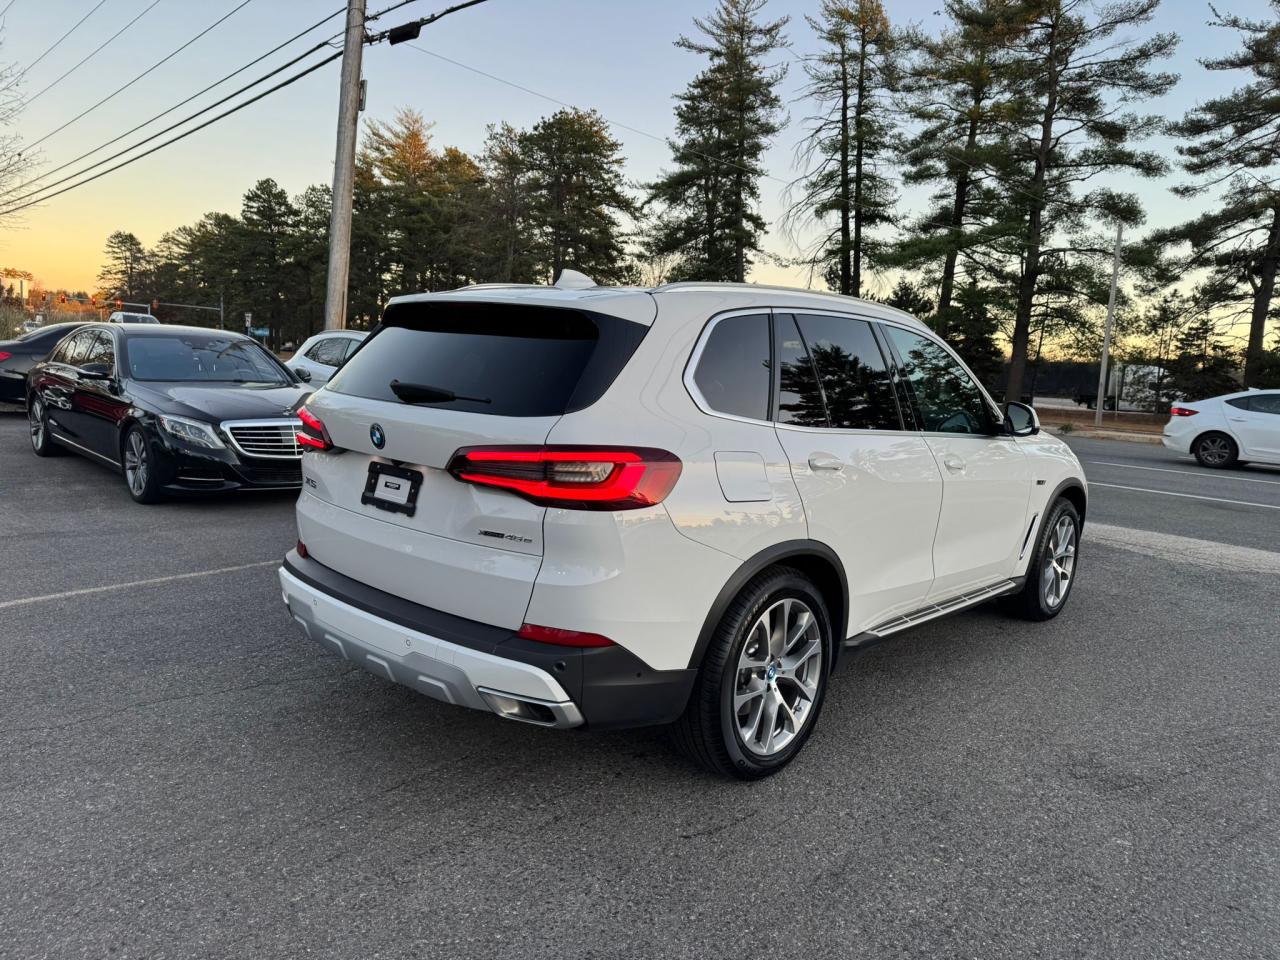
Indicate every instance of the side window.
{"type": "Point", "coordinates": [328, 351]}
{"type": "Point", "coordinates": [1241, 402]}
{"type": "Point", "coordinates": [799, 396]}
{"type": "Point", "coordinates": [1265, 403]}
{"type": "Point", "coordinates": [949, 400]}
{"type": "Point", "coordinates": [62, 350]}
{"type": "Point", "coordinates": [852, 372]}
{"type": "Point", "coordinates": [733, 370]}
{"type": "Point", "coordinates": [102, 350]}
{"type": "Point", "coordinates": [348, 347]}
{"type": "Point", "coordinates": [74, 352]}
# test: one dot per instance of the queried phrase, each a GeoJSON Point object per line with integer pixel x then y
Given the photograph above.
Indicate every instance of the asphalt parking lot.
{"type": "Point", "coordinates": [182, 774]}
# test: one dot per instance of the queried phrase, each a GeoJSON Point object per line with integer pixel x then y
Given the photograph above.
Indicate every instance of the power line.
{"type": "Point", "coordinates": [182, 136]}
{"type": "Point", "coordinates": [24, 70]}
{"type": "Point", "coordinates": [35, 96]}
{"type": "Point", "coordinates": [158, 63]}
{"type": "Point", "coordinates": [6, 8]}
{"type": "Point", "coordinates": [182, 103]}
{"type": "Point", "coordinates": [160, 133]}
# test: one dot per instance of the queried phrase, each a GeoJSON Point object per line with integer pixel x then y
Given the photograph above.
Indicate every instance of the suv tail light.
{"type": "Point", "coordinates": [1182, 412]}
{"type": "Point", "coordinates": [312, 432]}
{"type": "Point", "coordinates": [5, 354]}
{"type": "Point", "coordinates": [581, 478]}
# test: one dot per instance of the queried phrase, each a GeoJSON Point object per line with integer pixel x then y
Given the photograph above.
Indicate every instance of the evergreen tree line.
{"type": "Point", "coordinates": [1013, 120]}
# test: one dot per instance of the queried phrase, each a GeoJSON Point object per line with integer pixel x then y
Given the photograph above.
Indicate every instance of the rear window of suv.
{"type": "Point", "coordinates": [509, 360]}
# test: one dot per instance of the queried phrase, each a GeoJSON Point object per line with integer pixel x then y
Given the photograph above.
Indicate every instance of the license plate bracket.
{"type": "Point", "coordinates": [392, 488]}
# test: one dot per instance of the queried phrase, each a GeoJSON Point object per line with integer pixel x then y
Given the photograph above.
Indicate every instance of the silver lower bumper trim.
{"type": "Point", "coordinates": [440, 669]}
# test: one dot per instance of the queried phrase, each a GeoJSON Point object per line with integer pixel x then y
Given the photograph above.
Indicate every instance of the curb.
{"type": "Point", "coordinates": [1111, 435]}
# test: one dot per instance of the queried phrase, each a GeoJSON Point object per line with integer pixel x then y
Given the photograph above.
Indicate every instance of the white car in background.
{"type": "Point", "coordinates": [1228, 430]}
{"type": "Point", "coordinates": [320, 356]}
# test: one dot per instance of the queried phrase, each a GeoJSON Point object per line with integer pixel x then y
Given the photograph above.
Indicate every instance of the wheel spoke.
{"type": "Point", "coordinates": [794, 662]}
{"type": "Point", "coordinates": [755, 688]}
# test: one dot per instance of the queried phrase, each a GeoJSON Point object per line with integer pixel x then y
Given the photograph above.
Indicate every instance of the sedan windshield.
{"type": "Point", "coordinates": [201, 357]}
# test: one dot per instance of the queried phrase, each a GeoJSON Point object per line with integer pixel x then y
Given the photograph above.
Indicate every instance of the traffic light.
{"type": "Point", "coordinates": [93, 301]}
{"type": "Point", "coordinates": [62, 298]}
{"type": "Point", "coordinates": [155, 305]}
{"type": "Point", "coordinates": [119, 304]}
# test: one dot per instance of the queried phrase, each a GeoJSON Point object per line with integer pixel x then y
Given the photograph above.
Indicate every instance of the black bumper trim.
{"type": "Point", "coordinates": [611, 686]}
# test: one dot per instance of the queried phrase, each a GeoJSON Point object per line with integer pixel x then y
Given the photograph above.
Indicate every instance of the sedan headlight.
{"type": "Point", "coordinates": [191, 431]}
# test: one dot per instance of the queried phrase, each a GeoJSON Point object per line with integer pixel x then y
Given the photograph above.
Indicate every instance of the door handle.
{"type": "Point", "coordinates": [825, 461]}
{"type": "Point", "coordinates": [1238, 419]}
{"type": "Point", "coordinates": [953, 463]}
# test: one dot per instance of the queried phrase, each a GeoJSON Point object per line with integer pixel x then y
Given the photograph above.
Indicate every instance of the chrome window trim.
{"type": "Point", "coordinates": [226, 426]}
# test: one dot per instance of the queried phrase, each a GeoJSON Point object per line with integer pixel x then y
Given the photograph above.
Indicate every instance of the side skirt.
{"type": "Point", "coordinates": [932, 611]}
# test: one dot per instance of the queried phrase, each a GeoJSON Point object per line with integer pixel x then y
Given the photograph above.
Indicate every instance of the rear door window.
{"type": "Point", "coordinates": [501, 359]}
{"type": "Point", "coordinates": [732, 374]}
{"type": "Point", "coordinates": [851, 371]}
{"type": "Point", "coordinates": [1265, 403]}
{"type": "Point", "coordinates": [799, 396]}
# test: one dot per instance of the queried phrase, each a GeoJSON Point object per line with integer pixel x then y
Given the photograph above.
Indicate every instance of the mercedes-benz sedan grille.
{"type": "Point", "coordinates": [276, 439]}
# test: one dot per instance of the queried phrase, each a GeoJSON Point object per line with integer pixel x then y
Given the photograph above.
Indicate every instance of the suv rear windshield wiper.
{"type": "Point", "coordinates": [425, 393]}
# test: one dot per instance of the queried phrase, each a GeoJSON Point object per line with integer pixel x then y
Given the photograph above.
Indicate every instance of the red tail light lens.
{"type": "Point", "coordinates": [565, 638]}
{"type": "Point", "coordinates": [5, 354]}
{"type": "Point", "coordinates": [1182, 412]}
{"type": "Point", "coordinates": [312, 432]}
{"type": "Point", "coordinates": [582, 478]}
{"type": "Point", "coordinates": [302, 550]}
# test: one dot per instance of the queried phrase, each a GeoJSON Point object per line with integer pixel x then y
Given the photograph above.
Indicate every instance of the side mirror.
{"type": "Point", "coordinates": [303, 374]}
{"type": "Point", "coordinates": [1021, 420]}
{"type": "Point", "coordinates": [96, 371]}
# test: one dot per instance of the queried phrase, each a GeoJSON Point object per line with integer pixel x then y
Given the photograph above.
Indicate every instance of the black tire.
{"type": "Point", "coordinates": [138, 465]}
{"type": "Point", "coordinates": [38, 421]}
{"type": "Point", "coordinates": [709, 732]}
{"type": "Point", "coordinates": [1033, 601]}
{"type": "Point", "coordinates": [1217, 451]}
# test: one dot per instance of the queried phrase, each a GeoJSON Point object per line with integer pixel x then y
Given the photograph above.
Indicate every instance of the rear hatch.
{"type": "Point", "coordinates": [382, 508]}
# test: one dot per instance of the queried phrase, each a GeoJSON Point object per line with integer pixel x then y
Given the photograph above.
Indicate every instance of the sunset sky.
{"type": "Point", "coordinates": [613, 55]}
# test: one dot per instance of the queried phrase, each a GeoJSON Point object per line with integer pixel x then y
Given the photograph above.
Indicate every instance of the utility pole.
{"type": "Point", "coordinates": [1106, 337]}
{"type": "Point", "coordinates": [344, 169]}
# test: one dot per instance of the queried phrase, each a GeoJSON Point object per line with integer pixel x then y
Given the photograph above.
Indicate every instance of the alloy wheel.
{"type": "Point", "coordinates": [1215, 451]}
{"type": "Point", "coordinates": [1059, 562]}
{"type": "Point", "coordinates": [35, 415]}
{"type": "Point", "coordinates": [777, 677]}
{"type": "Point", "coordinates": [136, 463]}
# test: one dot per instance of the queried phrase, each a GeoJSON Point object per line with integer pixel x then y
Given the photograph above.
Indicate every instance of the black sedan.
{"type": "Point", "coordinates": [18, 356]}
{"type": "Point", "coordinates": [175, 409]}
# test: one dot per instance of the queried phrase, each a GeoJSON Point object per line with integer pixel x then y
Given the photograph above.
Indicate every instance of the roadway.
{"type": "Point", "coordinates": [182, 774]}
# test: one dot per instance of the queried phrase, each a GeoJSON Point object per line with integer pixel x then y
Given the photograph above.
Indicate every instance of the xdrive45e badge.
{"type": "Point", "coordinates": [378, 436]}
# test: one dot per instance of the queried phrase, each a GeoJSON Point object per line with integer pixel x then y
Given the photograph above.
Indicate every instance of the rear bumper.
{"type": "Point", "coordinates": [476, 665]}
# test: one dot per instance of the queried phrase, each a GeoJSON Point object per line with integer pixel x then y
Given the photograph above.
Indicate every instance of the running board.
{"type": "Point", "coordinates": [932, 611]}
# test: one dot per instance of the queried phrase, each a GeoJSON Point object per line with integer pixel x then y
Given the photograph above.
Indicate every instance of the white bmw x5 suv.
{"type": "Point", "coordinates": [608, 507]}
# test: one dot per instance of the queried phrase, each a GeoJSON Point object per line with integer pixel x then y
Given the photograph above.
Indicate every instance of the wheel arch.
{"type": "Point", "coordinates": [814, 559]}
{"type": "Point", "coordinates": [1073, 491]}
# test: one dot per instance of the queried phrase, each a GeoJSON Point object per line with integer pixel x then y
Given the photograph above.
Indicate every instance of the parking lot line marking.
{"type": "Point", "coordinates": [1186, 473]}
{"type": "Point", "coordinates": [1170, 493]}
{"type": "Point", "coordinates": [1169, 546]}
{"type": "Point", "coordinates": [136, 583]}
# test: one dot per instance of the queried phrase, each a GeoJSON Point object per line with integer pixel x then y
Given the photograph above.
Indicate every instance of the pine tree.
{"type": "Point", "coordinates": [725, 120]}
{"type": "Point", "coordinates": [958, 88]}
{"type": "Point", "coordinates": [126, 271]}
{"type": "Point", "coordinates": [1080, 69]}
{"type": "Point", "coordinates": [503, 211]}
{"type": "Point", "coordinates": [849, 135]}
{"type": "Point", "coordinates": [1234, 142]}
{"type": "Point", "coordinates": [576, 195]}
{"type": "Point", "coordinates": [267, 221]}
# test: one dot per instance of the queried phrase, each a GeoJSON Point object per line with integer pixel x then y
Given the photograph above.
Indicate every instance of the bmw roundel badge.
{"type": "Point", "coordinates": [378, 436]}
